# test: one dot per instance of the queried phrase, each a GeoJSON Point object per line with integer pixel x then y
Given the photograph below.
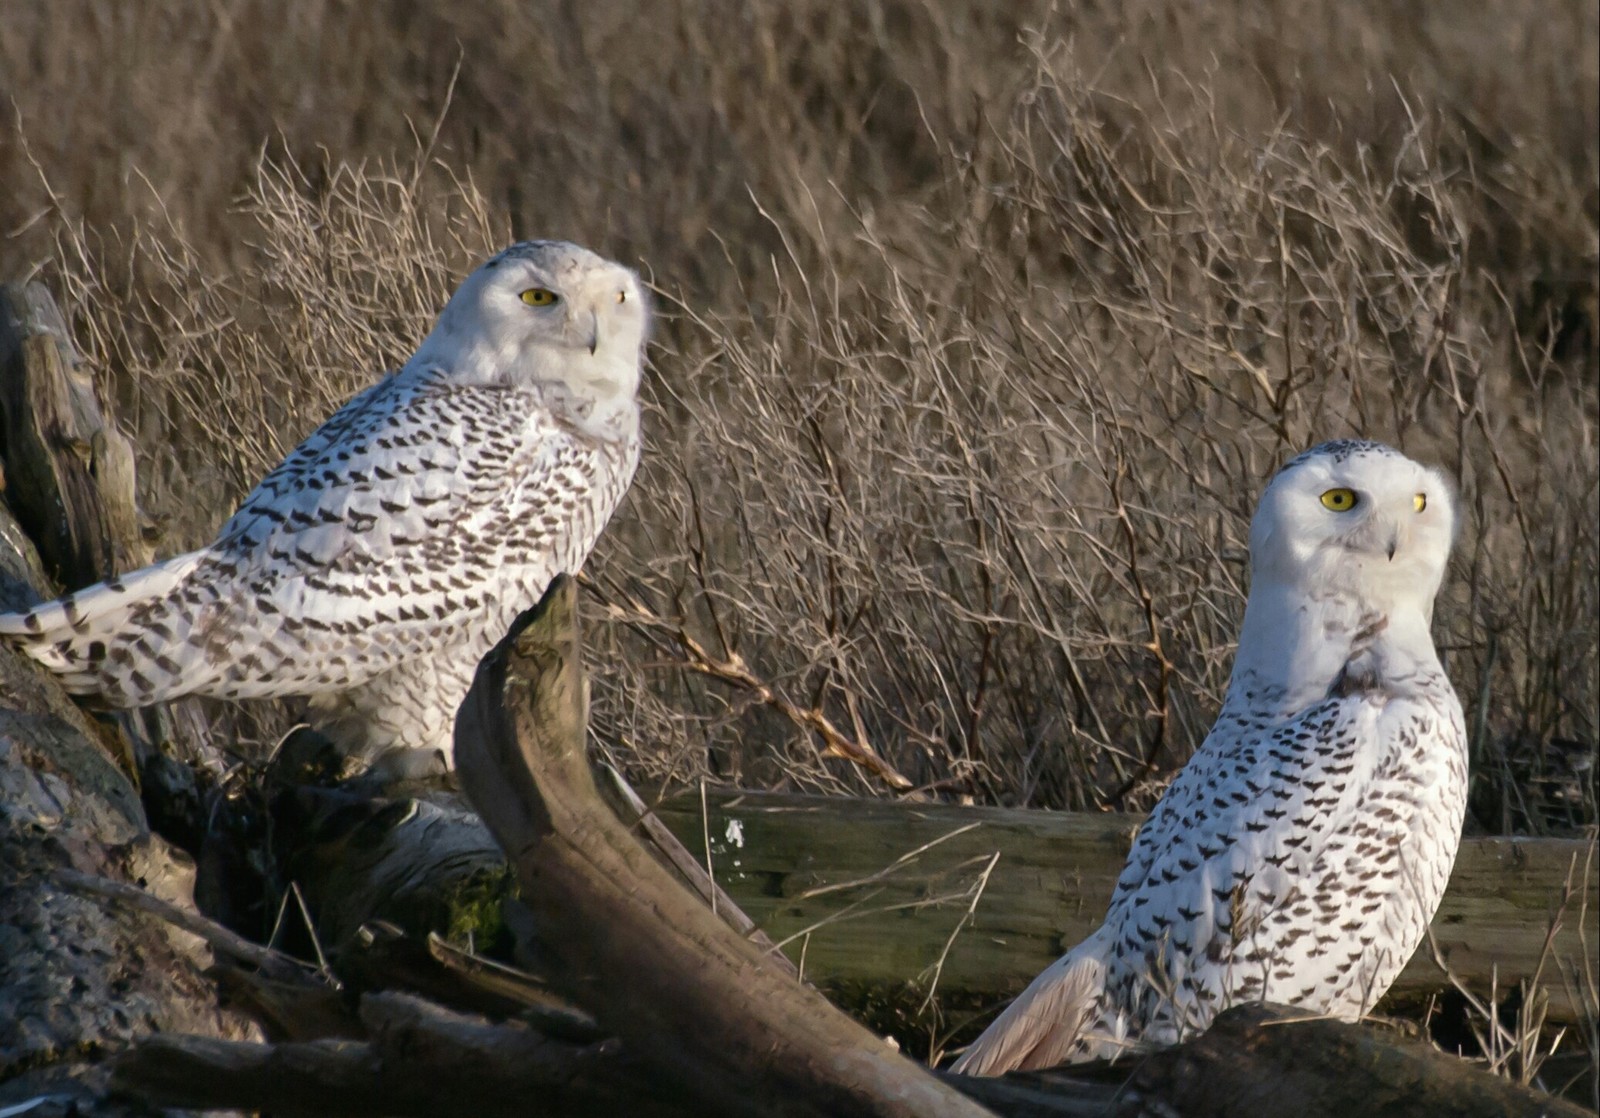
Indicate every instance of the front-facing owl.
{"type": "Point", "coordinates": [374, 568]}
{"type": "Point", "coordinates": [1302, 852]}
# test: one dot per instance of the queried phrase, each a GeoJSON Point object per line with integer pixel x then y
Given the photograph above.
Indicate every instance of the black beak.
{"type": "Point", "coordinates": [594, 333]}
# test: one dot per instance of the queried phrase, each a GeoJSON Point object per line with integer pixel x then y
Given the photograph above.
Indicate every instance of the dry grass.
{"type": "Point", "coordinates": [980, 333]}
{"type": "Point", "coordinates": [1509, 1034]}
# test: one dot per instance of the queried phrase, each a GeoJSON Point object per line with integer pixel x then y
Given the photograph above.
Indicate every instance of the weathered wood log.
{"type": "Point", "coordinates": [429, 1062]}
{"type": "Point", "coordinates": [1259, 1059]}
{"type": "Point", "coordinates": [674, 853]}
{"type": "Point", "coordinates": [428, 867]}
{"type": "Point", "coordinates": [69, 473]}
{"type": "Point", "coordinates": [690, 998]}
{"type": "Point", "coordinates": [811, 869]}
{"type": "Point", "coordinates": [1251, 1062]}
{"type": "Point", "coordinates": [381, 957]}
{"type": "Point", "coordinates": [78, 975]}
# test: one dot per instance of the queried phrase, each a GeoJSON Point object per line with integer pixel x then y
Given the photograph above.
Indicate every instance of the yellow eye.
{"type": "Point", "coordinates": [1339, 500]}
{"type": "Point", "coordinates": [539, 297]}
{"type": "Point", "coordinates": [622, 296]}
{"type": "Point", "coordinates": [1419, 502]}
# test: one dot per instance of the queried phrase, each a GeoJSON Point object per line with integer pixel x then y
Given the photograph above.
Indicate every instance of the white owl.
{"type": "Point", "coordinates": [1301, 854]}
{"type": "Point", "coordinates": [374, 568]}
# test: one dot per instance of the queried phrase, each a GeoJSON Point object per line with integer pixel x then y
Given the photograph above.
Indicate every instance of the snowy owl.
{"type": "Point", "coordinates": [376, 565]}
{"type": "Point", "coordinates": [1301, 854]}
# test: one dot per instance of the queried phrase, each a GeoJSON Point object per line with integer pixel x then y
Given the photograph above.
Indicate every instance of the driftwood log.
{"type": "Point", "coordinates": [886, 900]}
{"type": "Point", "coordinates": [424, 1060]}
{"type": "Point", "coordinates": [811, 869]}
{"type": "Point", "coordinates": [1261, 1060]}
{"type": "Point", "coordinates": [701, 1006]}
{"type": "Point", "coordinates": [69, 472]}
{"type": "Point", "coordinates": [417, 1058]}
{"type": "Point", "coordinates": [78, 977]}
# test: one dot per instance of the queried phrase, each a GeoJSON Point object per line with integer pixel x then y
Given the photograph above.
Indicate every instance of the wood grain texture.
{"type": "Point", "coordinates": [69, 470]}
{"type": "Point", "coordinates": [803, 862]}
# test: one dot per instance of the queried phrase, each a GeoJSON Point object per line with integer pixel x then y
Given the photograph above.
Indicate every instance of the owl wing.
{"type": "Point", "coordinates": [417, 502]}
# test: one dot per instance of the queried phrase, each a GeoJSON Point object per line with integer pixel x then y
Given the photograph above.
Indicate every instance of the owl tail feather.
{"type": "Point", "coordinates": [75, 635]}
{"type": "Point", "coordinates": [1042, 1028]}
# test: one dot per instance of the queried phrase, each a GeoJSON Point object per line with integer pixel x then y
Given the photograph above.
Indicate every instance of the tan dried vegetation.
{"type": "Point", "coordinates": [979, 332]}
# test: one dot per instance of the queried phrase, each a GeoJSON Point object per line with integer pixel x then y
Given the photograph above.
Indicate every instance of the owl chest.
{"type": "Point", "coordinates": [1262, 853]}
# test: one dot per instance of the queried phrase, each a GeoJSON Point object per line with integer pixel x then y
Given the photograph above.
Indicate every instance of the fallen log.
{"type": "Point", "coordinates": [78, 976]}
{"type": "Point", "coordinates": [694, 1001]}
{"type": "Point", "coordinates": [418, 1059]}
{"type": "Point", "coordinates": [1260, 1059]}
{"type": "Point", "coordinates": [883, 902]}
{"type": "Point", "coordinates": [811, 871]}
{"type": "Point", "coordinates": [423, 1060]}
{"type": "Point", "coordinates": [428, 867]}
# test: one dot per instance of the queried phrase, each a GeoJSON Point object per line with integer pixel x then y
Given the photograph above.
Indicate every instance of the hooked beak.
{"type": "Point", "coordinates": [594, 332]}
{"type": "Point", "coordinates": [1394, 543]}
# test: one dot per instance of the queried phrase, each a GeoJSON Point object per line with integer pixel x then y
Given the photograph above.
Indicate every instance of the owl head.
{"type": "Point", "coordinates": [1356, 517]}
{"type": "Point", "coordinates": [546, 312]}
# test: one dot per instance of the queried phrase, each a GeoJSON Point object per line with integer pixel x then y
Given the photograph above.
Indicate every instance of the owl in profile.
{"type": "Point", "coordinates": [1301, 854]}
{"type": "Point", "coordinates": [374, 568]}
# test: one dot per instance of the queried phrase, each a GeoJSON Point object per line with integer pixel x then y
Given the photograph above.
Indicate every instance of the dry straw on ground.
{"type": "Point", "coordinates": [979, 337]}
